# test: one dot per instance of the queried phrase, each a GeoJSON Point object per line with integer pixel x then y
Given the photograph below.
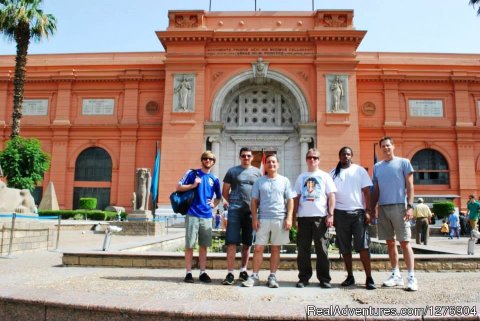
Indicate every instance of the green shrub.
{"type": "Point", "coordinates": [443, 209]}
{"type": "Point", "coordinates": [88, 203]}
{"type": "Point", "coordinates": [293, 235]}
{"type": "Point", "coordinates": [78, 217]}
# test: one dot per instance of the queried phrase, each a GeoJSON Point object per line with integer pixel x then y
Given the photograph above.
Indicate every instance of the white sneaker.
{"type": "Point", "coordinates": [272, 282]}
{"type": "Point", "coordinates": [251, 281]}
{"type": "Point", "coordinates": [393, 280]}
{"type": "Point", "coordinates": [412, 284]}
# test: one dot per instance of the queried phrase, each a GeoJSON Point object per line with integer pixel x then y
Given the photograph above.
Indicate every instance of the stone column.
{"type": "Point", "coordinates": [215, 140]}
{"type": "Point", "coordinates": [304, 140]}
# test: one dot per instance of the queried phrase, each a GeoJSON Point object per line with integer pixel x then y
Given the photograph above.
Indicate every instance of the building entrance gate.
{"type": "Point", "coordinates": [271, 116]}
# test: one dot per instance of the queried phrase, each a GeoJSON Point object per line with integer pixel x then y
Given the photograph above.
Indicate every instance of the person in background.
{"type": "Point", "coordinates": [444, 228]}
{"type": "Point", "coordinates": [472, 211]}
{"type": "Point", "coordinates": [453, 222]}
{"type": "Point", "coordinates": [422, 215]}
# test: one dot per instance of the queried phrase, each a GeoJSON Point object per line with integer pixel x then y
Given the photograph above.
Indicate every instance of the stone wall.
{"type": "Point", "coordinates": [27, 236]}
{"type": "Point", "coordinates": [140, 228]}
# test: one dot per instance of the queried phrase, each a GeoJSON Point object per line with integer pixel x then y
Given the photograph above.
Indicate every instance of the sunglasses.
{"type": "Point", "coordinates": [245, 156]}
{"type": "Point", "coordinates": [313, 157]}
{"type": "Point", "coordinates": [208, 158]}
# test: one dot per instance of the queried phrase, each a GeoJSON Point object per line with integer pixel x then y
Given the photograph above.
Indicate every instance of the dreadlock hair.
{"type": "Point", "coordinates": [339, 164]}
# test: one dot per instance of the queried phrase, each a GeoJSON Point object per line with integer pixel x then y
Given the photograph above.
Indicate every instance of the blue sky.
{"type": "Point", "coordinates": [449, 26]}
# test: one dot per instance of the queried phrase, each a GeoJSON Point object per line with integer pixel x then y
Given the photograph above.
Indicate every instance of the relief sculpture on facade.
{"type": "Point", "coordinates": [183, 99]}
{"type": "Point", "coordinates": [337, 94]}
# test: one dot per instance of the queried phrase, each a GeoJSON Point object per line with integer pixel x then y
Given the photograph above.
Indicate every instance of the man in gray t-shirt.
{"type": "Point", "coordinates": [393, 185]}
{"type": "Point", "coordinates": [237, 190]}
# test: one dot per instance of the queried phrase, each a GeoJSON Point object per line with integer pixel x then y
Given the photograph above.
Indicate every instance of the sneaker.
{"type": "Point", "coordinates": [370, 284]}
{"type": "Point", "coordinates": [325, 285]}
{"type": "Point", "coordinates": [302, 284]}
{"type": "Point", "coordinates": [272, 282]}
{"type": "Point", "coordinates": [205, 278]}
{"type": "Point", "coordinates": [229, 279]}
{"type": "Point", "coordinates": [350, 280]}
{"type": "Point", "coordinates": [412, 284]}
{"type": "Point", "coordinates": [393, 280]}
{"type": "Point", "coordinates": [243, 276]}
{"type": "Point", "coordinates": [188, 278]}
{"type": "Point", "coordinates": [251, 281]}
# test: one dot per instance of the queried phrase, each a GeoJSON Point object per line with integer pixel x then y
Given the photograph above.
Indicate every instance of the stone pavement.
{"type": "Point", "coordinates": [35, 286]}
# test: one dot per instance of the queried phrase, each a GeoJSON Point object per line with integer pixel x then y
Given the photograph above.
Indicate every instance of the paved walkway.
{"type": "Point", "coordinates": [36, 287]}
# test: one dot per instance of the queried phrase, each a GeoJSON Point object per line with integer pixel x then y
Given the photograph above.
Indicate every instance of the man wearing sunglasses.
{"type": "Point", "coordinates": [237, 190]}
{"type": "Point", "coordinates": [314, 207]}
{"type": "Point", "coordinates": [198, 221]}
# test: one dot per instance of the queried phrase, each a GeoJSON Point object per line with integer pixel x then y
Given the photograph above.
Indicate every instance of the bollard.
{"type": "Point", "coordinates": [14, 216]}
{"type": "Point", "coordinates": [108, 236]}
{"type": "Point", "coordinates": [58, 231]}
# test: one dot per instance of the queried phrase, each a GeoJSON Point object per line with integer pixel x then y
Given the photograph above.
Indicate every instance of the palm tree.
{"type": "Point", "coordinates": [475, 2]}
{"type": "Point", "coordinates": [20, 21]}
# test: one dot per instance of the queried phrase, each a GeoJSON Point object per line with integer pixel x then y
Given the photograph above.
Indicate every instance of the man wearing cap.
{"type": "Point", "coordinates": [422, 215]}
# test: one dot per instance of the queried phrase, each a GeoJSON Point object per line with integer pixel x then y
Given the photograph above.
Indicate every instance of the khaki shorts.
{"type": "Point", "coordinates": [200, 228]}
{"type": "Point", "coordinates": [272, 230]}
{"type": "Point", "coordinates": [391, 223]}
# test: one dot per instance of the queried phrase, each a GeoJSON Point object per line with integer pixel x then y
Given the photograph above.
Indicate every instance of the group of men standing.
{"type": "Point", "coordinates": [267, 206]}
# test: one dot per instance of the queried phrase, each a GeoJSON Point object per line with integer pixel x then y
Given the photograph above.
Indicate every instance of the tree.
{"type": "Point", "coordinates": [21, 21]}
{"type": "Point", "coordinates": [24, 163]}
{"type": "Point", "coordinates": [476, 2]}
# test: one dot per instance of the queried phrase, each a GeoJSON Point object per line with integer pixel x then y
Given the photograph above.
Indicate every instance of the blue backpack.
{"type": "Point", "coordinates": [181, 201]}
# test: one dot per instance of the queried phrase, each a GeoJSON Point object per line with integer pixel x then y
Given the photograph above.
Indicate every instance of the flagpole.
{"type": "Point", "coordinates": [210, 6]}
{"type": "Point", "coordinates": [255, 5]}
{"type": "Point", "coordinates": [313, 5]}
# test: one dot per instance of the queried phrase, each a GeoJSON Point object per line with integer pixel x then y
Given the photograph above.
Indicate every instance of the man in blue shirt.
{"type": "Point", "coordinates": [393, 185]}
{"type": "Point", "coordinates": [198, 221]}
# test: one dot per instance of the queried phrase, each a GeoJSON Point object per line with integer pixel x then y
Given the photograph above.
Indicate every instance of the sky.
{"type": "Point", "coordinates": [445, 26]}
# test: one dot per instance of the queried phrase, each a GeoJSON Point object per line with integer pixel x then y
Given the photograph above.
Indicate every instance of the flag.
{"type": "Point", "coordinates": [155, 178]}
{"type": "Point", "coordinates": [263, 168]}
{"type": "Point", "coordinates": [375, 158]}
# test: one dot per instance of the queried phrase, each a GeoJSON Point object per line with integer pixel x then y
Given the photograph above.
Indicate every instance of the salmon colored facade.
{"type": "Point", "coordinates": [260, 79]}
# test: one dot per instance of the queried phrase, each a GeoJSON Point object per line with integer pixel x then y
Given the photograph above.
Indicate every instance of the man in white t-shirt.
{"type": "Point", "coordinates": [313, 207]}
{"type": "Point", "coordinates": [352, 214]}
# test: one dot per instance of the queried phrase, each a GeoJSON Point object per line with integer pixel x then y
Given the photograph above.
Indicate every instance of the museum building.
{"type": "Point", "coordinates": [274, 81]}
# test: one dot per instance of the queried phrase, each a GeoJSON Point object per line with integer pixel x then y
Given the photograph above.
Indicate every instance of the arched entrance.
{"type": "Point", "coordinates": [269, 115]}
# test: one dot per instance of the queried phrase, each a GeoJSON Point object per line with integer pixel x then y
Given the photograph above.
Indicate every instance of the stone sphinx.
{"type": "Point", "coordinates": [16, 200]}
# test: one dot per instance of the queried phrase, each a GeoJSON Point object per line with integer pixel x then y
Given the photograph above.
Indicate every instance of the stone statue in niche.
{"type": "Point", "coordinates": [337, 94]}
{"type": "Point", "coordinates": [142, 190]}
{"type": "Point", "coordinates": [183, 91]}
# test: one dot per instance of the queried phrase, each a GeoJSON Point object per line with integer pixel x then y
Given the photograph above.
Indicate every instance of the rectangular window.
{"type": "Point", "coordinates": [98, 106]}
{"type": "Point", "coordinates": [35, 107]}
{"type": "Point", "coordinates": [426, 108]}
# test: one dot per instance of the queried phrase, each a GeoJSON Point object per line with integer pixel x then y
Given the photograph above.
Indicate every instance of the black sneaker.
{"type": "Point", "coordinates": [188, 278]}
{"type": "Point", "coordinates": [205, 278]}
{"type": "Point", "coordinates": [350, 280]}
{"type": "Point", "coordinates": [243, 276]}
{"type": "Point", "coordinates": [370, 284]}
{"type": "Point", "coordinates": [229, 279]}
{"type": "Point", "coordinates": [325, 285]}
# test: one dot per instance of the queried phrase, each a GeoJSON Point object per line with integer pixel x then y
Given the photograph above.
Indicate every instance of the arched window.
{"type": "Point", "coordinates": [431, 168]}
{"type": "Point", "coordinates": [94, 164]}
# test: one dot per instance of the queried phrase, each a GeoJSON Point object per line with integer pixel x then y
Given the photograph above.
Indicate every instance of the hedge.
{"type": "Point", "coordinates": [95, 215]}
{"type": "Point", "coordinates": [443, 209]}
